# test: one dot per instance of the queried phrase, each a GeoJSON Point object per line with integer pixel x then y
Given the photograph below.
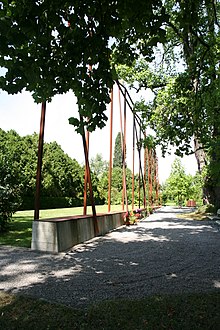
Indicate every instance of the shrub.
{"type": "Point", "coordinates": [9, 204]}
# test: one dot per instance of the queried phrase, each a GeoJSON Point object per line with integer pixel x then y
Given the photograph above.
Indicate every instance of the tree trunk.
{"type": "Point", "coordinates": [199, 154]}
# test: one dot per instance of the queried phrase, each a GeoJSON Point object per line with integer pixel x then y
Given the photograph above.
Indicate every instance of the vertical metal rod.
{"type": "Point", "coordinates": [139, 152]}
{"type": "Point", "coordinates": [150, 176]}
{"type": "Point", "coordinates": [110, 154]}
{"type": "Point", "coordinates": [145, 170]}
{"type": "Point", "coordinates": [86, 177]}
{"type": "Point", "coordinates": [124, 153]}
{"type": "Point", "coordinates": [157, 182]}
{"type": "Point", "coordinates": [139, 183]}
{"type": "Point", "coordinates": [39, 161]}
{"type": "Point", "coordinates": [133, 159]}
{"type": "Point", "coordinates": [95, 222]}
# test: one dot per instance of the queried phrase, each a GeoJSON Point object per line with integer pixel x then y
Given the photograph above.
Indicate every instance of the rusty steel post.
{"type": "Point", "coordinates": [124, 151]}
{"type": "Point", "coordinates": [86, 169]}
{"type": "Point", "coordinates": [133, 160]}
{"type": "Point", "coordinates": [150, 176]}
{"type": "Point", "coordinates": [110, 154]}
{"type": "Point", "coordinates": [157, 182]}
{"type": "Point", "coordinates": [86, 178]}
{"type": "Point", "coordinates": [95, 222]}
{"type": "Point", "coordinates": [39, 161]}
{"type": "Point", "coordinates": [145, 171]}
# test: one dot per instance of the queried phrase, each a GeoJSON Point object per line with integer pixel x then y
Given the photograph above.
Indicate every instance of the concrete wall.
{"type": "Point", "coordinates": [60, 234]}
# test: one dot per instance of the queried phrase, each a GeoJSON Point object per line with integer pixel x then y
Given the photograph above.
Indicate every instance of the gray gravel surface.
{"type": "Point", "coordinates": [162, 254]}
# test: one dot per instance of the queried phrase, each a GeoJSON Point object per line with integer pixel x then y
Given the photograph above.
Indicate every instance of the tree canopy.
{"type": "Point", "coordinates": [51, 48]}
{"type": "Point", "coordinates": [185, 80]}
{"type": "Point", "coordinates": [180, 186]}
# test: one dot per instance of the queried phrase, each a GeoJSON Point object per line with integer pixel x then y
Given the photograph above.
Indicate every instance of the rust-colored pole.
{"type": "Point", "coordinates": [133, 159]}
{"type": "Point", "coordinates": [86, 177]}
{"type": "Point", "coordinates": [157, 182]}
{"type": "Point", "coordinates": [150, 176]}
{"type": "Point", "coordinates": [110, 154]}
{"type": "Point", "coordinates": [86, 169]}
{"type": "Point", "coordinates": [39, 161]}
{"type": "Point", "coordinates": [139, 172]}
{"type": "Point", "coordinates": [139, 184]}
{"type": "Point", "coordinates": [124, 151]}
{"type": "Point", "coordinates": [145, 170]}
{"type": "Point", "coordinates": [95, 222]}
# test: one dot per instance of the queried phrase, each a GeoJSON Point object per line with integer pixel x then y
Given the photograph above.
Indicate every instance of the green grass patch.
{"type": "Point", "coordinates": [20, 228]}
{"type": "Point", "coordinates": [193, 311]}
{"type": "Point", "coordinates": [194, 216]}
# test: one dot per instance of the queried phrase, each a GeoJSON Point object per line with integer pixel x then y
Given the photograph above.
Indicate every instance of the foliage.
{"type": "Point", "coordinates": [51, 49]}
{"type": "Point", "coordinates": [62, 177]}
{"type": "Point", "coordinates": [9, 194]}
{"type": "Point", "coordinates": [118, 151]}
{"type": "Point", "coordinates": [117, 186]}
{"type": "Point", "coordinates": [98, 166]}
{"type": "Point", "coordinates": [180, 186]}
{"type": "Point", "coordinates": [130, 218]}
{"type": "Point", "coordinates": [185, 80]}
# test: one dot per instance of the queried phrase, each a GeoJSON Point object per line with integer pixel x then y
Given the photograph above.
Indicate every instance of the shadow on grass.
{"type": "Point", "coordinates": [19, 232]}
{"type": "Point", "coordinates": [195, 311]}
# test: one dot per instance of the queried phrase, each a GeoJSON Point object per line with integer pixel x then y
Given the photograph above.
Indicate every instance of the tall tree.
{"type": "Point", "coordinates": [179, 186]}
{"type": "Point", "coordinates": [118, 154]}
{"type": "Point", "coordinates": [186, 85]}
{"type": "Point", "coordinates": [62, 176]}
{"type": "Point", "coordinates": [98, 165]}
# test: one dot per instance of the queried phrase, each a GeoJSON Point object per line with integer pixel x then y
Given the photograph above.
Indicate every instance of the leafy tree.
{"type": "Point", "coordinates": [118, 156]}
{"type": "Point", "coordinates": [9, 194]}
{"type": "Point", "coordinates": [50, 49]}
{"type": "Point", "coordinates": [62, 176]}
{"type": "Point", "coordinates": [117, 186]}
{"type": "Point", "coordinates": [186, 81]}
{"type": "Point", "coordinates": [98, 165]}
{"type": "Point", "coordinates": [180, 186]}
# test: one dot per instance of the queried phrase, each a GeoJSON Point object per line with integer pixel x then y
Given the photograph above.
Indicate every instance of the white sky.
{"type": "Point", "coordinates": [19, 112]}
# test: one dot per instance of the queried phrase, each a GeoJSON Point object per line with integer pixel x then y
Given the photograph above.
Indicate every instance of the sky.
{"type": "Point", "coordinates": [20, 113]}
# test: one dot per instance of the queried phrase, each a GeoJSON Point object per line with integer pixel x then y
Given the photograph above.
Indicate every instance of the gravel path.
{"type": "Point", "coordinates": [162, 254]}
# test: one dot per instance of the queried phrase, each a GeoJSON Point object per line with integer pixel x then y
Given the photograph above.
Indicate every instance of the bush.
{"type": "Point", "coordinates": [28, 203]}
{"type": "Point", "coordinates": [9, 204]}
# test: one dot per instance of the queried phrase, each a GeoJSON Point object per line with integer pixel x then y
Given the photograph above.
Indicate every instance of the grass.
{"type": "Point", "coordinates": [20, 228]}
{"type": "Point", "coordinates": [194, 216]}
{"type": "Point", "coordinates": [200, 214]}
{"type": "Point", "coordinates": [192, 311]}
{"type": "Point", "coordinates": [186, 311]}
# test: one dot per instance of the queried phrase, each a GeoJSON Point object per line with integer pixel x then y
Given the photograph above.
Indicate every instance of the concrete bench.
{"type": "Point", "coordinates": [60, 234]}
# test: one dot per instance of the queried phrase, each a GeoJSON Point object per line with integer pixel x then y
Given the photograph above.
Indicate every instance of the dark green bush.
{"type": "Point", "coordinates": [9, 204]}
{"type": "Point", "coordinates": [50, 202]}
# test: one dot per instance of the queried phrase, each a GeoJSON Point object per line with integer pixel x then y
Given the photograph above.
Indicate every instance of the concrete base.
{"type": "Point", "coordinates": [60, 234]}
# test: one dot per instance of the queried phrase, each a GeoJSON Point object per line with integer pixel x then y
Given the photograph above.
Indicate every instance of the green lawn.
{"type": "Point", "coordinates": [184, 312]}
{"type": "Point", "coordinates": [20, 228]}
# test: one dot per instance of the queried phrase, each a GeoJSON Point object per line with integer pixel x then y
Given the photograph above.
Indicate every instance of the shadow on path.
{"type": "Point", "coordinates": [162, 254]}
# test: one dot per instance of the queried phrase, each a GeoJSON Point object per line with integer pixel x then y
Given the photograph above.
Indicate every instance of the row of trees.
{"type": "Point", "coordinates": [62, 176]}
